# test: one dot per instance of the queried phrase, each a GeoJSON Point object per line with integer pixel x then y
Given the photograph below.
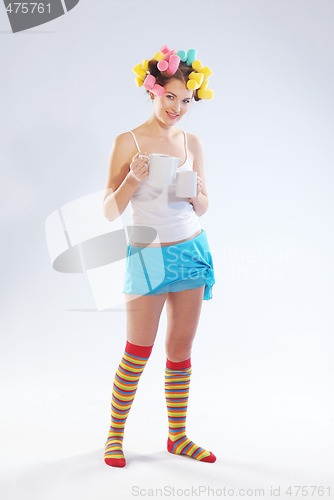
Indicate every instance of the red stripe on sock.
{"type": "Point", "coordinates": [143, 351]}
{"type": "Point", "coordinates": [179, 365]}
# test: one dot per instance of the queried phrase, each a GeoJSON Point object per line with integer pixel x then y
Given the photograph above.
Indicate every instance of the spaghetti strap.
{"type": "Point", "coordinates": [186, 145]}
{"type": "Point", "coordinates": [133, 135]}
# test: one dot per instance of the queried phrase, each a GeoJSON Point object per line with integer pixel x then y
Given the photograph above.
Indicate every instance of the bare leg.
{"type": "Point", "coordinates": [183, 312]}
{"type": "Point", "coordinates": [142, 317]}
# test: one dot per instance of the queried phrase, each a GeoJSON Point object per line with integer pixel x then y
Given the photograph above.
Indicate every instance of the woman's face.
{"type": "Point", "coordinates": [174, 103]}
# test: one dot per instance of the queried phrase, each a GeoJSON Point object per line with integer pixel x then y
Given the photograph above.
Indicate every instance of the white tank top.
{"type": "Point", "coordinates": [159, 209]}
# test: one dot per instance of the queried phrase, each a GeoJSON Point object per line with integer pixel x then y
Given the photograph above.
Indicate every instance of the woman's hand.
{"type": "Point", "coordinates": [139, 167]}
{"type": "Point", "coordinates": [199, 185]}
{"type": "Point", "coordinates": [198, 189]}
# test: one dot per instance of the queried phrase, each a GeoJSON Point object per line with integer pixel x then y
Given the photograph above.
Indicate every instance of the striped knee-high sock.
{"type": "Point", "coordinates": [177, 382]}
{"type": "Point", "coordinates": [125, 385]}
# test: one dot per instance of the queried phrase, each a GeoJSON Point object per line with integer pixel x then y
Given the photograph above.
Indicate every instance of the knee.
{"type": "Point", "coordinates": [178, 351]}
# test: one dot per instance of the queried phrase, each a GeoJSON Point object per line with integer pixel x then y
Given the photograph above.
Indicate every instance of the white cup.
{"type": "Point", "coordinates": [162, 169]}
{"type": "Point", "coordinates": [186, 184]}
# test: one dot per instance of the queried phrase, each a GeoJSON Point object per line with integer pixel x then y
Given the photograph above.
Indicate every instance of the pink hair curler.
{"type": "Point", "coordinates": [173, 65]}
{"type": "Point", "coordinates": [158, 90]}
{"type": "Point", "coordinates": [162, 65]}
{"type": "Point", "coordinates": [164, 49]}
{"type": "Point", "coordinates": [169, 54]}
{"type": "Point", "coordinates": [149, 82]}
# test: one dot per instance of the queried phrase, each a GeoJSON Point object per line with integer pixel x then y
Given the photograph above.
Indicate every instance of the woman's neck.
{"type": "Point", "coordinates": [157, 128]}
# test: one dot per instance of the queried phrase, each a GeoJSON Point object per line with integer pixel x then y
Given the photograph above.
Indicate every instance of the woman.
{"type": "Point", "coordinates": [172, 81]}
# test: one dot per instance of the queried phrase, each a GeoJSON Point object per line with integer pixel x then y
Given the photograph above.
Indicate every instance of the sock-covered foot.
{"type": "Point", "coordinates": [114, 452]}
{"type": "Point", "coordinates": [177, 382]}
{"type": "Point", "coordinates": [125, 386]}
{"type": "Point", "coordinates": [184, 446]}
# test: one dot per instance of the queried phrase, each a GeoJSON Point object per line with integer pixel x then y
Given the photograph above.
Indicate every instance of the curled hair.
{"type": "Point", "coordinates": [162, 77]}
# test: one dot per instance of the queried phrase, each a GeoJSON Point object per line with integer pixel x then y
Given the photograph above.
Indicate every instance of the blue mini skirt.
{"type": "Point", "coordinates": [170, 268]}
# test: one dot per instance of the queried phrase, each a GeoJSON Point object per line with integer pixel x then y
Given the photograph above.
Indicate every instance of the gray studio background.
{"type": "Point", "coordinates": [261, 392]}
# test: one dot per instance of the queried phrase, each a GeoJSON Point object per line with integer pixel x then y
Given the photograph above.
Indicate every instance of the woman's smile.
{"type": "Point", "coordinates": [172, 115]}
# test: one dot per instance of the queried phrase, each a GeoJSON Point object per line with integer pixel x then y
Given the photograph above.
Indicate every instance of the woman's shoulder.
{"type": "Point", "coordinates": [124, 141]}
{"type": "Point", "coordinates": [124, 146]}
{"type": "Point", "coordinates": [124, 137]}
{"type": "Point", "coordinates": [194, 142]}
{"type": "Point", "coordinates": [127, 137]}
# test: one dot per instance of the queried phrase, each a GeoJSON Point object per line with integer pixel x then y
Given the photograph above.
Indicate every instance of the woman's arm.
{"type": "Point", "coordinates": [121, 183]}
{"type": "Point", "coordinates": [200, 202]}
